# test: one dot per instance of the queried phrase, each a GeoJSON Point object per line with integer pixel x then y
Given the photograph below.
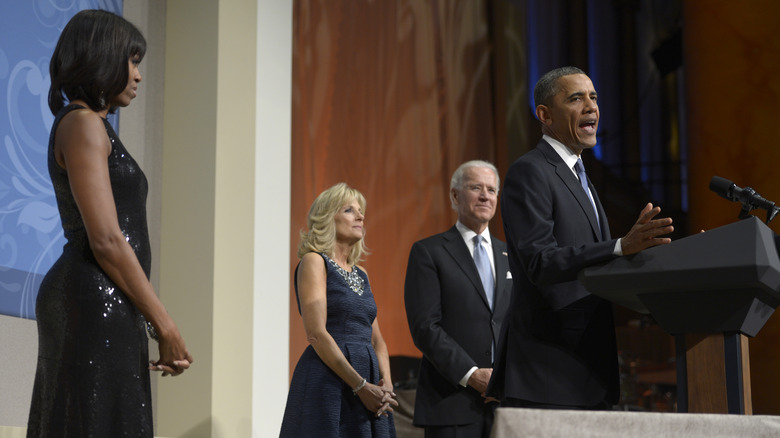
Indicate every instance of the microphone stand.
{"type": "Point", "coordinates": [770, 214]}
{"type": "Point", "coordinates": [747, 207]}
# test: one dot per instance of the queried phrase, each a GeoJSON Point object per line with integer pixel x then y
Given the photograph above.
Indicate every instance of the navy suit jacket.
{"type": "Point", "coordinates": [559, 347]}
{"type": "Point", "coordinates": [452, 324]}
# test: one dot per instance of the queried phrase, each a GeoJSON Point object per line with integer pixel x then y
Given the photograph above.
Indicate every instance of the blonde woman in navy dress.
{"type": "Point", "coordinates": [341, 386]}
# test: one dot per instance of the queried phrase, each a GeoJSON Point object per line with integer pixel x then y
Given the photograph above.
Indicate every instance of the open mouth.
{"type": "Point", "coordinates": [589, 126]}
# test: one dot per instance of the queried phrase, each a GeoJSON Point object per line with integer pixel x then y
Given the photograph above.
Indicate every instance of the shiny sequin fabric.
{"type": "Point", "coordinates": [92, 378]}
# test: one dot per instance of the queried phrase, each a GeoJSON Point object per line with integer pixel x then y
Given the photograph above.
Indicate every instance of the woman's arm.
{"type": "Point", "coordinates": [312, 279]}
{"type": "Point", "coordinates": [381, 353]}
{"type": "Point", "coordinates": [380, 348]}
{"type": "Point", "coordinates": [82, 148]}
{"type": "Point", "coordinates": [386, 381]}
{"type": "Point", "coordinates": [312, 293]}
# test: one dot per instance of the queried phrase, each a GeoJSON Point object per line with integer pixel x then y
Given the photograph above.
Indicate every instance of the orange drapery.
{"type": "Point", "coordinates": [389, 97]}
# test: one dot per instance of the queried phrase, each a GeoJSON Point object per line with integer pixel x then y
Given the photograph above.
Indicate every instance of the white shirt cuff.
{"type": "Point", "coordinates": [618, 251]}
{"type": "Point", "coordinates": [464, 382]}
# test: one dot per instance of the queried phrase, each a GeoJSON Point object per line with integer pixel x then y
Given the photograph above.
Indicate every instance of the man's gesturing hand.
{"type": "Point", "coordinates": [644, 234]}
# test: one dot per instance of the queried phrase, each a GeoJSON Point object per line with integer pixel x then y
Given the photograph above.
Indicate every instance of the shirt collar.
{"type": "Point", "coordinates": [468, 234]}
{"type": "Point", "coordinates": [568, 157]}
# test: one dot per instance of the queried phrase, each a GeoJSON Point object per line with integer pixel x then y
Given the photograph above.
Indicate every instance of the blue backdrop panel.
{"type": "Point", "coordinates": [30, 231]}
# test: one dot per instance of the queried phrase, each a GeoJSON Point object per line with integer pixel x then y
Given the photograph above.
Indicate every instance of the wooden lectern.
{"type": "Point", "coordinates": [711, 291]}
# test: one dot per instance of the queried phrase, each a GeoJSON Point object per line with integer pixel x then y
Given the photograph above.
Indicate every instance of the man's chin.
{"type": "Point", "coordinates": [486, 217]}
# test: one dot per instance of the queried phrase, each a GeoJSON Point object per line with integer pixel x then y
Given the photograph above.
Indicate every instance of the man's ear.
{"type": "Point", "coordinates": [454, 193]}
{"type": "Point", "coordinates": [544, 114]}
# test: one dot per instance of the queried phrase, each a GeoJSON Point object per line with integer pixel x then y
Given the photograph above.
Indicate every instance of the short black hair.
{"type": "Point", "coordinates": [547, 86]}
{"type": "Point", "coordinates": [90, 61]}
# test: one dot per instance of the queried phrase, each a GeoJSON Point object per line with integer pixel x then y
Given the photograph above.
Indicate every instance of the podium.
{"type": "Point", "coordinates": [711, 291]}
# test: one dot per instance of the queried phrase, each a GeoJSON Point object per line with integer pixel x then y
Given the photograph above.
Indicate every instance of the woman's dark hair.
{"type": "Point", "coordinates": [90, 61]}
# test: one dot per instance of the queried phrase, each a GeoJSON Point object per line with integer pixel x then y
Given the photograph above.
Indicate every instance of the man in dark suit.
{"type": "Point", "coordinates": [456, 295]}
{"type": "Point", "coordinates": [559, 348]}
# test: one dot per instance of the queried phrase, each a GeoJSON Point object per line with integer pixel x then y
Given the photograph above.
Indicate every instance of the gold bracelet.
{"type": "Point", "coordinates": [360, 386]}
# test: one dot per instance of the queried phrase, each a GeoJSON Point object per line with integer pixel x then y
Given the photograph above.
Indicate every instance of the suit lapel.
{"type": "Point", "coordinates": [501, 260]}
{"type": "Point", "coordinates": [602, 214]}
{"type": "Point", "coordinates": [457, 248]}
{"type": "Point", "coordinates": [573, 184]}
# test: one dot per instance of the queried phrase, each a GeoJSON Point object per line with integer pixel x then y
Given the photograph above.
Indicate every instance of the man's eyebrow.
{"type": "Point", "coordinates": [581, 93]}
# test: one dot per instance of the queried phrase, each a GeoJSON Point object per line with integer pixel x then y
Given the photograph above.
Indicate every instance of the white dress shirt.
{"type": "Point", "coordinates": [468, 237]}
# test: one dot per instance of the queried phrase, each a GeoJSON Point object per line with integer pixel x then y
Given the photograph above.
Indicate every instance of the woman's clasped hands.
{"type": "Point", "coordinates": [174, 357]}
{"type": "Point", "coordinates": [378, 398]}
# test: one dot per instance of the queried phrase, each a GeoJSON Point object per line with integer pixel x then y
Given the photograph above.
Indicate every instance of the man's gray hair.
{"type": "Point", "coordinates": [547, 86]}
{"type": "Point", "coordinates": [457, 177]}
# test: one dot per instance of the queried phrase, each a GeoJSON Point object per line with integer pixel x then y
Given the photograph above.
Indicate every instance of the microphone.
{"type": "Point", "coordinates": [747, 197]}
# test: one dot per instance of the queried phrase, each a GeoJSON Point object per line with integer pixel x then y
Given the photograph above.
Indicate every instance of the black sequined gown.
{"type": "Point", "coordinates": [92, 378]}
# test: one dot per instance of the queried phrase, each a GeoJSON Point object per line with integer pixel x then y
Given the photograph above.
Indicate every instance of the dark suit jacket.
{"type": "Point", "coordinates": [559, 347]}
{"type": "Point", "coordinates": [452, 324]}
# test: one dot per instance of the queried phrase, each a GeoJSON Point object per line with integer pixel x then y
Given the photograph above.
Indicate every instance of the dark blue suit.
{"type": "Point", "coordinates": [559, 347]}
{"type": "Point", "coordinates": [452, 324]}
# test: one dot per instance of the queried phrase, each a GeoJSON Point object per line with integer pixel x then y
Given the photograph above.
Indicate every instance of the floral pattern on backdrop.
{"type": "Point", "coordinates": [31, 237]}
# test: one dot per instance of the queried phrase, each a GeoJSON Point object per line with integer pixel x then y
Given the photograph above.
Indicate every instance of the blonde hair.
{"type": "Point", "coordinates": [321, 236]}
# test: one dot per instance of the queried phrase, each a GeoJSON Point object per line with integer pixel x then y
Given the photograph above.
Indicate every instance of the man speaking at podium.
{"type": "Point", "coordinates": [559, 349]}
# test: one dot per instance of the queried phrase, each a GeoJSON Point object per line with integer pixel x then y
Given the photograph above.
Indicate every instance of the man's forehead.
{"type": "Point", "coordinates": [575, 83]}
{"type": "Point", "coordinates": [474, 175]}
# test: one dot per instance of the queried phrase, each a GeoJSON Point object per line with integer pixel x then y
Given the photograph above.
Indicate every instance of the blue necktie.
{"type": "Point", "coordinates": [483, 266]}
{"type": "Point", "coordinates": [580, 169]}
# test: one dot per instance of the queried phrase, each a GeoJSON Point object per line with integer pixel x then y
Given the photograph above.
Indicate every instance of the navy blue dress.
{"type": "Point", "coordinates": [92, 377]}
{"type": "Point", "coordinates": [320, 404]}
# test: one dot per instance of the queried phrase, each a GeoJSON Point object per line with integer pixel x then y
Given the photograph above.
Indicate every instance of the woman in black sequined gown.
{"type": "Point", "coordinates": [92, 378]}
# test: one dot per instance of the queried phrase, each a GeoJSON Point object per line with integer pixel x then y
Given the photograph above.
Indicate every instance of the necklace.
{"type": "Point", "coordinates": [354, 281]}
